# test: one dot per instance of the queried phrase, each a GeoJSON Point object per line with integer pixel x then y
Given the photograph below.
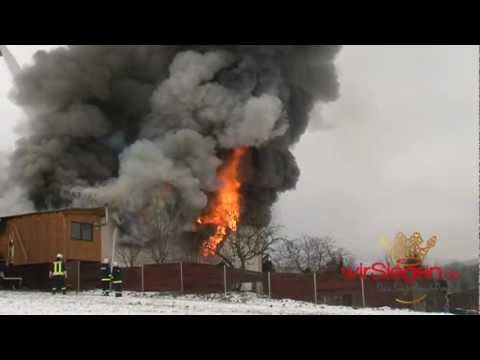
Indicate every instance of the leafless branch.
{"type": "Point", "coordinates": [310, 254]}
{"type": "Point", "coordinates": [129, 254]}
{"type": "Point", "coordinates": [248, 243]}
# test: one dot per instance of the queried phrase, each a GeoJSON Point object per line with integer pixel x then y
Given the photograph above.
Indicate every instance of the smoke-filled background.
{"type": "Point", "coordinates": [141, 126]}
{"type": "Point", "coordinates": [396, 152]}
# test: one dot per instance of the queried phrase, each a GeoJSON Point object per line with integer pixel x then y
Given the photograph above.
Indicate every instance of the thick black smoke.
{"type": "Point", "coordinates": [121, 124]}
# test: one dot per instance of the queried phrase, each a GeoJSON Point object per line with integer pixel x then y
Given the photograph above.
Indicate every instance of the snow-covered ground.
{"type": "Point", "coordinates": [92, 303]}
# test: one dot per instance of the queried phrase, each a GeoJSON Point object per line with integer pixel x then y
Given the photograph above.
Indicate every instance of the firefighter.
{"type": "Point", "coordinates": [58, 275]}
{"type": "Point", "coordinates": [106, 276]}
{"type": "Point", "coordinates": [445, 292]}
{"type": "Point", "coordinates": [117, 280]}
{"type": "Point", "coordinates": [10, 253]}
{"type": "Point", "coordinates": [448, 304]}
{"type": "Point", "coordinates": [267, 264]}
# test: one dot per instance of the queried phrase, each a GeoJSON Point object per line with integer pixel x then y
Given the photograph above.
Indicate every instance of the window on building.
{"type": "Point", "coordinates": [82, 232]}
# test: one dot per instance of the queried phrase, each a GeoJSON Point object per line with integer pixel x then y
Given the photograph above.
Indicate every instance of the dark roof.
{"type": "Point", "coordinates": [98, 211]}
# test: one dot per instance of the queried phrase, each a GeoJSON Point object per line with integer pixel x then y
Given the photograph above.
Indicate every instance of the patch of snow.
{"type": "Point", "coordinates": [93, 303]}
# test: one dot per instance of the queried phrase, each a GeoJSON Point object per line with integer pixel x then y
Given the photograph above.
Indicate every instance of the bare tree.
{"type": "Point", "coordinates": [155, 228]}
{"type": "Point", "coordinates": [158, 251]}
{"type": "Point", "coordinates": [248, 243]}
{"type": "Point", "coordinates": [310, 254]}
{"type": "Point", "coordinates": [162, 231]}
{"type": "Point", "coordinates": [344, 257]}
{"type": "Point", "coordinates": [129, 254]}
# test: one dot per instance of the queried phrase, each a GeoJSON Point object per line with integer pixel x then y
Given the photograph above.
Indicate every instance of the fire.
{"type": "Point", "coordinates": [225, 212]}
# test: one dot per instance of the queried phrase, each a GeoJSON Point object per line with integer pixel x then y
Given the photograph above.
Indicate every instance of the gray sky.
{"type": "Point", "coordinates": [402, 154]}
{"type": "Point", "coordinates": [398, 151]}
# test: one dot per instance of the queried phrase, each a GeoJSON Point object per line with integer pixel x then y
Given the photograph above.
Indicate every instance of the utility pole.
{"type": "Point", "coordinates": [364, 302]}
{"type": "Point", "coordinates": [112, 219]}
{"type": "Point", "coordinates": [10, 60]}
{"type": "Point", "coordinates": [115, 234]}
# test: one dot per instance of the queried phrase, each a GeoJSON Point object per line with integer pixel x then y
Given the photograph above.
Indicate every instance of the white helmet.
{"type": "Point", "coordinates": [106, 261]}
{"type": "Point", "coordinates": [59, 256]}
{"type": "Point", "coordinates": [115, 264]}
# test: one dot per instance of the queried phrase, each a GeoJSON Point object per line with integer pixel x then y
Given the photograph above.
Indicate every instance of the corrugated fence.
{"type": "Point", "coordinates": [188, 278]}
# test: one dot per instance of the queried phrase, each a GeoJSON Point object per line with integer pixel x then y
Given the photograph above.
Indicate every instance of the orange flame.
{"type": "Point", "coordinates": [225, 212]}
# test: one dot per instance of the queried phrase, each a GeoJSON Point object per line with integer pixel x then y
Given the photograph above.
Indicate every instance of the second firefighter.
{"type": "Point", "coordinates": [117, 280]}
{"type": "Point", "coordinates": [106, 277]}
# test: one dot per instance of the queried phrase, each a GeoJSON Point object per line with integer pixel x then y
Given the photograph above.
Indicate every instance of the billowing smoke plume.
{"type": "Point", "coordinates": [131, 126]}
{"type": "Point", "coordinates": [13, 199]}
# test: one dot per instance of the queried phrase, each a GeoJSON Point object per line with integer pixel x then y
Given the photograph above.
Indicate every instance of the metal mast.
{"type": "Point", "coordinates": [10, 60]}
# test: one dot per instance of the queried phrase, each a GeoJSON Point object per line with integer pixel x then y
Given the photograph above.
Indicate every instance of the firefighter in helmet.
{"type": "Point", "coordinates": [106, 276]}
{"type": "Point", "coordinates": [117, 280]}
{"type": "Point", "coordinates": [58, 275]}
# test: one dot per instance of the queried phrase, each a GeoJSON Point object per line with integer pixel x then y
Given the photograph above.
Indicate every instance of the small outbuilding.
{"type": "Point", "coordinates": [81, 235]}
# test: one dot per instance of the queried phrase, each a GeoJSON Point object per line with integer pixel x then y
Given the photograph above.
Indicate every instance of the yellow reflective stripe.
{"type": "Point", "coordinates": [57, 269]}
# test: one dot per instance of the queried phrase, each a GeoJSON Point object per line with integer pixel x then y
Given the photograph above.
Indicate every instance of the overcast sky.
{"type": "Point", "coordinates": [397, 152]}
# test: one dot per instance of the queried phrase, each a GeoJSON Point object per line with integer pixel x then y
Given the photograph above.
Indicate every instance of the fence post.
{"type": "Point", "coordinates": [315, 287]}
{"type": "Point", "coordinates": [182, 289]}
{"type": "Point", "coordinates": [78, 277]}
{"type": "Point", "coordinates": [143, 278]}
{"type": "Point", "coordinates": [225, 279]}
{"type": "Point", "coordinates": [364, 302]}
{"type": "Point", "coordinates": [270, 285]}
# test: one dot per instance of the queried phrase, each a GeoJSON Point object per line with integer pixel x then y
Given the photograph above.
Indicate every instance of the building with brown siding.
{"type": "Point", "coordinates": [33, 239]}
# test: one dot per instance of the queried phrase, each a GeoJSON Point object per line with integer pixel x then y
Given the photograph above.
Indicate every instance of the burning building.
{"type": "Point", "coordinates": [200, 134]}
